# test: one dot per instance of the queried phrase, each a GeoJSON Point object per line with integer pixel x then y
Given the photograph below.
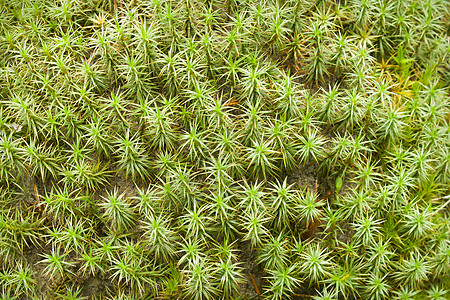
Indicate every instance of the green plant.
{"type": "Point", "coordinates": [131, 272]}
{"type": "Point", "coordinates": [381, 255]}
{"type": "Point", "coordinates": [222, 213]}
{"type": "Point", "coordinates": [19, 231]}
{"type": "Point", "coordinates": [117, 211]}
{"type": "Point", "coordinates": [417, 223]}
{"type": "Point", "coordinates": [228, 146]}
{"type": "Point", "coordinates": [253, 82]}
{"type": "Point", "coordinates": [230, 69]}
{"type": "Point", "coordinates": [344, 279]}
{"type": "Point", "coordinates": [84, 174]}
{"type": "Point", "coordinates": [39, 161]}
{"type": "Point", "coordinates": [355, 204]}
{"type": "Point", "coordinates": [411, 272]}
{"type": "Point", "coordinates": [308, 206]}
{"type": "Point", "coordinates": [253, 224]}
{"type": "Point", "coordinates": [353, 105]}
{"type": "Point", "coordinates": [96, 136]}
{"type": "Point", "coordinates": [25, 109]}
{"type": "Point", "coordinates": [325, 295]}
{"type": "Point", "coordinates": [72, 294]}
{"type": "Point", "coordinates": [220, 169]}
{"type": "Point", "coordinates": [72, 235]}
{"type": "Point", "coordinates": [437, 293]}
{"type": "Point", "coordinates": [200, 283]}
{"type": "Point", "coordinates": [366, 175]}
{"type": "Point", "coordinates": [279, 134]}
{"type": "Point", "coordinates": [195, 223]}
{"type": "Point", "coordinates": [366, 229]}
{"type": "Point", "coordinates": [310, 146]}
{"type": "Point", "coordinates": [282, 282]}
{"type": "Point", "coordinates": [194, 143]}
{"type": "Point", "coordinates": [330, 105]}
{"type": "Point", "coordinates": [218, 115]}
{"type": "Point", "coordinates": [163, 149]}
{"type": "Point", "coordinates": [405, 293]}
{"type": "Point", "coordinates": [281, 203]}
{"type": "Point", "coordinates": [132, 156]}
{"type": "Point", "coordinates": [91, 263]}
{"type": "Point", "coordinates": [262, 159]}
{"type": "Point", "coordinates": [162, 127]}
{"type": "Point", "coordinates": [6, 295]}
{"type": "Point", "coordinates": [191, 251]}
{"type": "Point", "coordinates": [253, 196]}
{"type": "Point", "coordinates": [22, 280]}
{"type": "Point", "coordinates": [441, 260]}
{"type": "Point", "coordinates": [159, 236]}
{"type": "Point", "coordinates": [61, 203]}
{"type": "Point", "coordinates": [376, 286]}
{"type": "Point", "coordinates": [57, 267]}
{"type": "Point", "coordinates": [252, 128]}
{"type": "Point", "coordinates": [274, 254]}
{"type": "Point", "coordinates": [390, 126]}
{"type": "Point", "coordinates": [184, 185]}
{"type": "Point", "coordinates": [229, 276]}
{"type": "Point", "coordinates": [147, 200]}
{"type": "Point", "coordinates": [315, 264]}
{"type": "Point", "coordinates": [10, 156]}
{"type": "Point", "coordinates": [131, 68]}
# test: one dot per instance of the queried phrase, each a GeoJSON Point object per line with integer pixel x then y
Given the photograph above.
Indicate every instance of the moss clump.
{"type": "Point", "coordinates": [224, 149]}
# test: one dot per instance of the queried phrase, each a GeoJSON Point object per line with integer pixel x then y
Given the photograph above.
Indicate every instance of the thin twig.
{"type": "Point", "coordinates": [303, 295]}
{"type": "Point", "coordinates": [36, 192]}
{"type": "Point", "coordinates": [312, 227]}
{"type": "Point", "coordinates": [254, 284]}
{"type": "Point", "coordinates": [326, 196]}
